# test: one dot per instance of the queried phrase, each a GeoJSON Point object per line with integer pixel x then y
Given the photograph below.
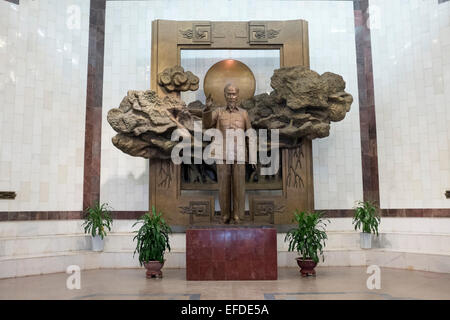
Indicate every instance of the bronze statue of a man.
{"type": "Point", "coordinates": [231, 177]}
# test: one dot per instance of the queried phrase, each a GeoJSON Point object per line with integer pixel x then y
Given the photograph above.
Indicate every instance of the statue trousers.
{"type": "Point", "coordinates": [231, 180]}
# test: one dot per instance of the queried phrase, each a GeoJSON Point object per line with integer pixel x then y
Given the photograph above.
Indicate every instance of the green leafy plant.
{"type": "Point", "coordinates": [366, 217]}
{"type": "Point", "coordinates": [308, 238]}
{"type": "Point", "coordinates": [152, 237]}
{"type": "Point", "coordinates": [97, 220]}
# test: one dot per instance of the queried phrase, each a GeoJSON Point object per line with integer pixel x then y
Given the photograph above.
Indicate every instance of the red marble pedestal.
{"type": "Point", "coordinates": [231, 254]}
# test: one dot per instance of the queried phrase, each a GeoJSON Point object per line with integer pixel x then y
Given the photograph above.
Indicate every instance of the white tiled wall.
{"type": "Point", "coordinates": [337, 159]}
{"type": "Point", "coordinates": [43, 71]}
{"type": "Point", "coordinates": [411, 64]}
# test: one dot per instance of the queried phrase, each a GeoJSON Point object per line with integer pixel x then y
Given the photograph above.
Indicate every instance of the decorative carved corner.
{"type": "Point", "coordinates": [187, 34]}
{"type": "Point", "coordinates": [263, 209]}
{"type": "Point", "coordinates": [272, 33]}
{"type": "Point", "coordinates": [199, 33]}
{"type": "Point", "coordinates": [259, 32]}
{"type": "Point", "coordinates": [266, 207]}
{"type": "Point", "coordinates": [7, 195]}
{"type": "Point", "coordinates": [199, 210]}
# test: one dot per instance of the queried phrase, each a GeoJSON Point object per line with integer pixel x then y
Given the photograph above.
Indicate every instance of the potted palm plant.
{"type": "Point", "coordinates": [97, 221]}
{"type": "Point", "coordinates": [366, 218]}
{"type": "Point", "coordinates": [308, 239]}
{"type": "Point", "coordinates": [152, 242]}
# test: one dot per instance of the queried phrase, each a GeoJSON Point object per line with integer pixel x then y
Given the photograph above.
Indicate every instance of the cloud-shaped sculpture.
{"type": "Point", "coordinates": [176, 79]}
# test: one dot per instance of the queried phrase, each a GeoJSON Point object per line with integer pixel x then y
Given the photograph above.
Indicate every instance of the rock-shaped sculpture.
{"type": "Point", "coordinates": [302, 105]}
{"type": "Point", "coordinates": [299, 87]}
{"type": "Point", "coordinates": [145, 123]}
{"type": "Point", "coordinates": [176, 79]}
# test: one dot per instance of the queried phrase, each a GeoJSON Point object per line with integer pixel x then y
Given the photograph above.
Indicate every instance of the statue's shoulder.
{"type": "Point", "coordinates": [242, 110]}
{"type": "Point", "coordinates": [216, 111]}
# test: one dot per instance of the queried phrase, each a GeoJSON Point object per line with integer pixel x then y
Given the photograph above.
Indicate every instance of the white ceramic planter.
{"type": "Point", "coordinates": [97, 243]}
{"type": "Point", "coordinates": [365, 240]}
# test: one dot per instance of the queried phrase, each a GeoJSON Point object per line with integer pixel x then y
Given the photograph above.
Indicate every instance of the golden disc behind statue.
{"type": "Point", "coordinates": [229, 71]}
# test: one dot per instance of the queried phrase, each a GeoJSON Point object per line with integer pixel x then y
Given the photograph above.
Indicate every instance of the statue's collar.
{"type": "Point", "coordinates": [232, 109]}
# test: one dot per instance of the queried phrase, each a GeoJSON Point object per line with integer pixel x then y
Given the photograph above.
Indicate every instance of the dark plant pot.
{"type": "Point", "coordinates": [306, 267]}
{"type": "Point", "coordinates": [153, 269]}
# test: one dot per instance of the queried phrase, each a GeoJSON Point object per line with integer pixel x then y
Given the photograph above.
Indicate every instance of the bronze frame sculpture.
{"type": "Point", "coordinates": [291, 38]}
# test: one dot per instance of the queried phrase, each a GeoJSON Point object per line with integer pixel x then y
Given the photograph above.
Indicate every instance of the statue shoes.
{"type": "Point", "coordinates": [226, 219]}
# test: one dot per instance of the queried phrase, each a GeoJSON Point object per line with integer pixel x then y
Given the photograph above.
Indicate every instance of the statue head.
{"type": "Point", "coordinates": [231, 93]}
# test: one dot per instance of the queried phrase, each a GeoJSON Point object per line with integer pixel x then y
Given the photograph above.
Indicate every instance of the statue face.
{"type": "Point", "coordinates": [232, 96]}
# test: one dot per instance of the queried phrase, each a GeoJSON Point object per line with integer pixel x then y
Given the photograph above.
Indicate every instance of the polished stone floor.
{"type": "Point", "coordinates": [330, 283]}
